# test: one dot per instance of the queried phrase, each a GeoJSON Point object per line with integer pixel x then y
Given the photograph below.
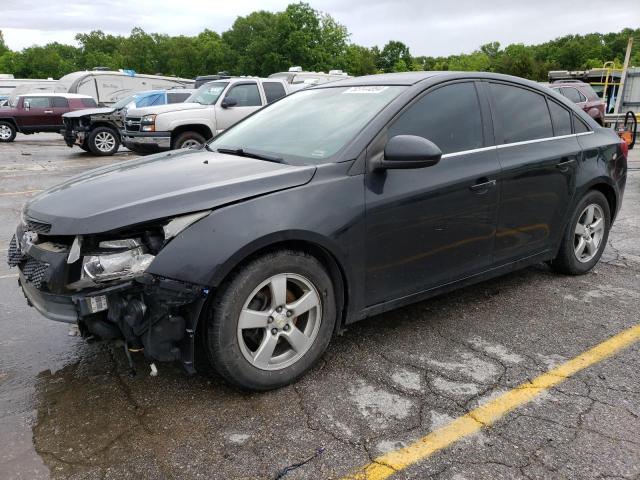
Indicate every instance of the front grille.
{"type": "Point", "coordinates": [36, 226]}
{"type": "Point", "coordinates": [132, 124]}
{"type": "Point", "coordinates": [14, 255]}
{"type": "Point", "coordinates": [35, 271]}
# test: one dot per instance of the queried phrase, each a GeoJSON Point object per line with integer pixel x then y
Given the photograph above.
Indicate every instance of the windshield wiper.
{"type": "Point", "coordinates": [250, 154]}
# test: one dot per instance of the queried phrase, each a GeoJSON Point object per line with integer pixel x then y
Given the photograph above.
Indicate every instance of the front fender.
{"type": "Point", "coordinates": [328, 212]}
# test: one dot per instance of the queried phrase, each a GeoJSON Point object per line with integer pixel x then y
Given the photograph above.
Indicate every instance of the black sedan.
{"type": "Point", "coordinates": [331, 205]}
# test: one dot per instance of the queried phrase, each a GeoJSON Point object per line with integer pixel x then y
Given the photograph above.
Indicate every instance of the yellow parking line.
{"type": "Point", "coordinates": [487, 414]}
{"type": "Point", "coordinates": [25, 192]}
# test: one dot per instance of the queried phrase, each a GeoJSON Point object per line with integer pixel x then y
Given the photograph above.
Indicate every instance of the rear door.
{"type": "Point", "coordinates": [539, 159]}
{"type": "Point", "coordinates": [430, 226]}
{"type": "Point", "coordinates": [248, 98]}
{"type": "Point", "coordinates": [60, 105]}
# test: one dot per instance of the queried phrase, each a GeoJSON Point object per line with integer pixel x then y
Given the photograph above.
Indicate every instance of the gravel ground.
{"type": "Point", "coordinates": [69, 410]}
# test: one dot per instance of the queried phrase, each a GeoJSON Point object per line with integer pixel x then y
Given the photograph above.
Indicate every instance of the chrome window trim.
{"type": "Point", "coordinates": [513, 144]}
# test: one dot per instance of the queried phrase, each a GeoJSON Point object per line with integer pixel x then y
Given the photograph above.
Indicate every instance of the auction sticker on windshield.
{"type": "Point", "coordinates": [369, 89]}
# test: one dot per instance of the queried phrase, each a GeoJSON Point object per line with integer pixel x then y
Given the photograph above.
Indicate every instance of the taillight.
{"type": "Point", "coordinates": [625, 149]}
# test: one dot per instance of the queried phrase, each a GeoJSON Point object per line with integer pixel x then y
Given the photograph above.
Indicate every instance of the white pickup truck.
{"type": "Point", "coordinates": [214, 107]}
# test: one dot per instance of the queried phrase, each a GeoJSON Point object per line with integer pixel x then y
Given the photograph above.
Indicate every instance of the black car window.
{"type": "Point", "coordinates": [59, 102]}
{"type": "Point", "coordinates": [177, 97]}
{"type": "Point", "coordinates": [579, 126]}
{"type": "Point", "coordinates": [449, 117]}
{"type": "Point", "coordinates": [247, 95]}
{"type": "Point", "coordinates": [38, 102]}
{"type": "Point", "coordinates": [520, 114]}
{"type": "Point", "coordinates": [273, 91]}
{"type": "Point", "coordinates": [88, 102]}
{"type": "Point", "coordinates": [573, 94]}
{"type": "Point", "coordinates": [561, 119]}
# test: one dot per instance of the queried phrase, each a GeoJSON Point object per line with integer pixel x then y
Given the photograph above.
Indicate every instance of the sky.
{"type": "Point", "coordinates": [428, 27]}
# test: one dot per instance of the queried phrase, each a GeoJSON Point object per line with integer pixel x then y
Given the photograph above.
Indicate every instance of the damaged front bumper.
{"type": "Point", "coordinates": [149, 313]}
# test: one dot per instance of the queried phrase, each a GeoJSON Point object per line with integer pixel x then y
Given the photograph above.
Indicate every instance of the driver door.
{"type": "Point", "coordinates": [430, 226]}
{"type": "Point", "coordinates": [248, 99]}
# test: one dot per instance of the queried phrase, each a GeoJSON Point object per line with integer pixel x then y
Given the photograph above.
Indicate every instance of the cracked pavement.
{"type": "Point", "coordinates": [70, 410]}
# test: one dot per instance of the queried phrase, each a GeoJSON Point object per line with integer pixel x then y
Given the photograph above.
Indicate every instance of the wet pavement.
{"type": "Point", "coordinates": [70, 410]}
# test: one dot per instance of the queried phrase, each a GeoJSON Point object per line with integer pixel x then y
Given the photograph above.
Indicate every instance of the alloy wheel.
{"type": "Point", "coordinates": [279, 321]}
{"type": "Point", "coordinates": [5, 132]}
{"type": "Point", "coordinates": [105, 142]}
{"type": "Point", "coordinates": [589, 233]}
{"type": "Point", "coordinates": [191, 143]}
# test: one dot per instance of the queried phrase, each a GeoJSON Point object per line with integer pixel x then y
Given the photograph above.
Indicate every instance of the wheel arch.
{"type": "Point", "coordinates": [100, 124]}
{"type": "Point", "coordinates": [200, 128]}
{"type": "Point", "coordinates": [610, 194]}
{"type": "Point", "coordinates": [12, 121]}
{"type": "Point", "coordinates": [301, 242]}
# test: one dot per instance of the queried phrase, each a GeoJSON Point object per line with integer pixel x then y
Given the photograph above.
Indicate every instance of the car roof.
{"type": "Point", "coordinates": [45, 94]}
{"type": "Point", "coordinates": [413, 78]}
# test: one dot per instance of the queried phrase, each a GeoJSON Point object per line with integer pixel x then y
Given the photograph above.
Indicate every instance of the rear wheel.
{"type": "Point", "coordinates": [7, 132]}
{"type": "Point", "coordinates": [103, 141]}
{"type": "Point", "coordinates": [272, 321]}
{"type": "Point", "coordinates": [585, 237]}
{"type": "Point", "coordinates": [189, 140]}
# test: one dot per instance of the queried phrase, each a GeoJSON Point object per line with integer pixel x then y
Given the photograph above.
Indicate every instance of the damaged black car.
{"type": "Point", "coordinates": [331, 205]}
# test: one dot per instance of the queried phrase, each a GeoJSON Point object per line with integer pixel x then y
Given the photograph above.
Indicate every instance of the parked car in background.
{"type": "Point", "coordinates": [39, 112]}
{"type": "Point", "coordinates": [298, 79]}
{"type": "Point", "coordinates": [97, 130]}
{"type": "Point", "coordinates": [213, 108]}
{"type": "Point", "coordinates": [336, 203]}
{"type": "Point", "coordinates": [583, 95]}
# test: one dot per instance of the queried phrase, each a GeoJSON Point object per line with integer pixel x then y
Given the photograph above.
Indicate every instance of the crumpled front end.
{"type": "Point", "coordinates": [99, 283]}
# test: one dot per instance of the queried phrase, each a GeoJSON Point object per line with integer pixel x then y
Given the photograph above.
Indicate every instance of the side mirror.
{"type": "Point", "coordinates": [26, 105]}
{"type": "Point", "coordinates": [229, 102]}
{"type": "Point", "coordinates": [409, 151]}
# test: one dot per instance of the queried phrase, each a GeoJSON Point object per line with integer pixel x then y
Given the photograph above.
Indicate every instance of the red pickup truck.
{"type": "Point", "coordinates": [39, 112]}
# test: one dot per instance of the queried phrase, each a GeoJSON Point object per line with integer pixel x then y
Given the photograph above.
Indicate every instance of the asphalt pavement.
{"type": "Point", "coordinates": [69, 409]}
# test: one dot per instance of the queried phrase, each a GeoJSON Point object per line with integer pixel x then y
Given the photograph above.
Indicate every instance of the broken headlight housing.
{"type": "Point", "coordinates": [129, 259]}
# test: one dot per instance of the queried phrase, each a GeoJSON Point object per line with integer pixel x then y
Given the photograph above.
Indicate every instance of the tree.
{"type": "Point", "coordinates": [394, 55]}
{"type": "Point", "coordinates": [3, 45]}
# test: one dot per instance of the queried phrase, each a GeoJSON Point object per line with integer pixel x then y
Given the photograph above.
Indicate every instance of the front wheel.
{"type": "Point", "coordinates": [7, 132]}
{"type": "Point", "coordinates": [103, 141]}
{"type": "Point", "coordinates": [272, 321]}
{"type": "Point", "coordinates": [585, 237]}
{"type": "Point", "coordinates": [189, 140]}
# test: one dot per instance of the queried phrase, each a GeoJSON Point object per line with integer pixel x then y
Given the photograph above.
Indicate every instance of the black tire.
{"type": "Point", "coordinates": [103, 141]}
{"type": "Point", "coordinates": [85, 147]}
{"type": "Point", "coordinates": [8, 132]}
{"type": "Point", "coordinates": [567, 261]}
{"type": "Point", "coordinates": [188, 137]}
{"type": "Point", "coordinates": [222, 316]}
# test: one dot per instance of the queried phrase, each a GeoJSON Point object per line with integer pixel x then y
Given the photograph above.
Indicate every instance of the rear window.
{"type": "Point", "coordinates": [88, 102]}
{"type": "Point", "coordinates": [521, 114]}
{"type": "Point", "coordinates": [59, 102]}
{"type": "Point", "coordinates": [573, 94]}
{"type": "Point", "coordinates": [561, 119]}
{"type": "Point", "coordinates": [273, 91]}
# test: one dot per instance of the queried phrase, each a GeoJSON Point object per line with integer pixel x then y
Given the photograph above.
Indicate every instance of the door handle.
{"type": "Point", "coordinates": [564, 166]}
{"type": "Point", "coordinates": [483, 186]}
{"type": "Point", "coordinates": [48, 111]}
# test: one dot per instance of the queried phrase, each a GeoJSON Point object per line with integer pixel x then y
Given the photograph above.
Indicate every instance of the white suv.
{"type": "Point", "coordinates": [214, 107]}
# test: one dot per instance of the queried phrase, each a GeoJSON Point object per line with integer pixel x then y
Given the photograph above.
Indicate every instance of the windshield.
{"type": "Point", "coordinates": [208, 93]}
{"type": "Point", "coordinates": [312, 125]}
{"type": "Point", "coordinates": [124, 102]}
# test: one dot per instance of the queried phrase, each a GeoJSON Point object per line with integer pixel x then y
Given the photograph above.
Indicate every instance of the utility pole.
{"type": "Point", "coordinates": [623, 77]}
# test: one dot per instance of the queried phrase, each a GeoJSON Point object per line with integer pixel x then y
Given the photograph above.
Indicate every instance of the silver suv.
{"type": "Point", "coordinates": [211, 109]}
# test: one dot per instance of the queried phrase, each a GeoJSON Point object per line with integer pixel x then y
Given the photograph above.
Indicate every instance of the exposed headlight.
{"type": "Point", "coordinates": [148, 123]}
{"type": "Point", "coordinates": [116, 266]}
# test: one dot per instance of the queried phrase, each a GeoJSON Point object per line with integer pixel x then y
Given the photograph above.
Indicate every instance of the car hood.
{"type": "Point", "coordinates": [158, 186]}
{"type": "Point", "coordinates": [88, 111]}
{"type": "Point", "coordinates": [171, 107]}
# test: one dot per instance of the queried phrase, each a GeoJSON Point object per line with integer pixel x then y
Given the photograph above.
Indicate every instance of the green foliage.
{"type": "Point", "coordinates": [264, 42]}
